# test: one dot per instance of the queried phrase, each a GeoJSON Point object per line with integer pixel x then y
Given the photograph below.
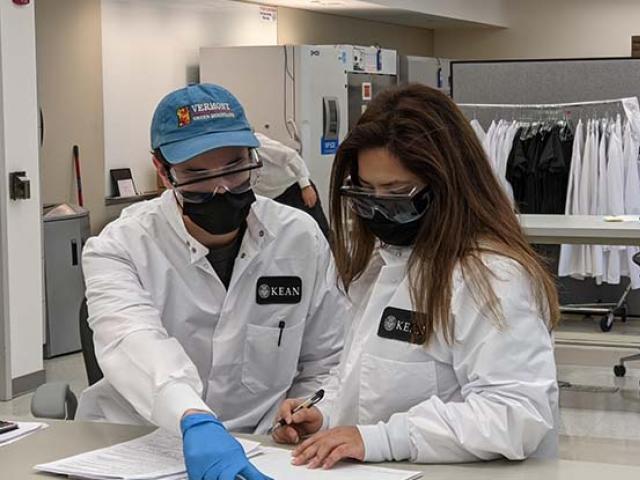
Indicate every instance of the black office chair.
{"type": "Point", "coordinates": [88, 351]}
{"type": "Point", "coordinates": [620, 370]}
{"type": "Point", "coordinates": [56, 399]}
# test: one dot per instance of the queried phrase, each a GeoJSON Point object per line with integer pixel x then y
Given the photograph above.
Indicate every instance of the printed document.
{"type": "Point", "coordinates": [24, 429]}
{"type": "Point", "coordinates": [154, 456]}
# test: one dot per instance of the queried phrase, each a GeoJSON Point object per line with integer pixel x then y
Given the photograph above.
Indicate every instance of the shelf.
{"type": "Point", "coordinates": [110, 201]}
{"type": "Point", "coordinates": [579, 229]}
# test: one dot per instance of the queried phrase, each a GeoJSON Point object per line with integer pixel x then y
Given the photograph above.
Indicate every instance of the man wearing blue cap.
{"type": "Point", "coordinates": [209, 305]}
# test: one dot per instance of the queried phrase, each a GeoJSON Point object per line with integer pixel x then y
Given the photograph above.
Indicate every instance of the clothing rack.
{"type": "Point", "coordinates": [606, 311]}
{"type": "Point", "coordinates": [523, 89]}
{"type": "Point", "coordinates": [545, 105]}
{"type": "Point", "coordinates": [628, 104]}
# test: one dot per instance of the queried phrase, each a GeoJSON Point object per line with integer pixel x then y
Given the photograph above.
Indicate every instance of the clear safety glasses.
{"type": "Point", "coordinates": [401, 206]}
{"type": "Point", "coordinates": [199, 186]}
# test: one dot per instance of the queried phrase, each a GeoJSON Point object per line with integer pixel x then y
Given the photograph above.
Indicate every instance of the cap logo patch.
{"type": "Point", "coordinates": [184, 117]}
{"type": "Point", "coordinates": [210, 111]}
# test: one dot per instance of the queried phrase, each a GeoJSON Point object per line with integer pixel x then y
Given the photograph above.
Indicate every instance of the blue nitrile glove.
{"type": "Point", "coordinates": [211, 453]}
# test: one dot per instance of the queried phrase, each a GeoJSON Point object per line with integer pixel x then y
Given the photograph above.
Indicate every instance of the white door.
{"type": "Point", "coordinates": [21, 277]}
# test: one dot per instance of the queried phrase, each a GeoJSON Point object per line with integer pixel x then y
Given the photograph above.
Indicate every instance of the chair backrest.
{"type": "Point", "coordinates": [88, 352]}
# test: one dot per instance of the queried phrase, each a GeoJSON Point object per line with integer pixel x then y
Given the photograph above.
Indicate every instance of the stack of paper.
{"type": "Point", "coordinates": [152, 457]}
{"type": "Point", "coordinates": [24, 429]}
{"type": "Point", "coordinates": [158, 456]}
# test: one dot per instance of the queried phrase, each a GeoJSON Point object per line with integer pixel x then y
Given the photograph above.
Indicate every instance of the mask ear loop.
{"type": "Point", "coordinates": [180, 204]}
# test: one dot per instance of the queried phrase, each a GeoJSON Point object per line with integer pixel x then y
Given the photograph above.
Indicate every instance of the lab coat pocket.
{"type": "Point", "coordinates": [271, 356]}
{"type": "Point", "coordinates": [390, 386]}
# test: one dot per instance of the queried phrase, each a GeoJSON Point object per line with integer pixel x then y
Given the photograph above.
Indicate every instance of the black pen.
{"type": "Point", "coordinates": [308, 403]}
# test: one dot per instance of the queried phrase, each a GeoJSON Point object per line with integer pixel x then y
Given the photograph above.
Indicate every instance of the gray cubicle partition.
{"type": "Point", "coordinates": [544, 82]}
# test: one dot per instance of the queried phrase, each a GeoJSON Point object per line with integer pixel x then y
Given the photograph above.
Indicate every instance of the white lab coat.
{"type": "Point", "coordinates": [507, 145]}
{"type": "Point", "coordinates": [615, 195]}
{"type": "Point", "coordinates": [585, 186]}
{"type": "Point", "coordinates": [282, 167]}
{"type": "Point", "coordinates": [600, 194]}
{"type": "Point", "coordinates": [479, 131]}
{"type": "Point", "coordinates": [169, 337]}
{"type": "Point", "coordinates": [571, 256]}
{"type": "Point", "coordinates": [491, 393]}
{"type": "Point", "coordinates": [489, 141]}
{"type": "Point", "coordinates": [497, 143]}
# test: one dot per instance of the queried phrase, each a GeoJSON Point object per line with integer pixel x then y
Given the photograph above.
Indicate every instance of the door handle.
{"type": "Point", "coordinates": [74, 253]}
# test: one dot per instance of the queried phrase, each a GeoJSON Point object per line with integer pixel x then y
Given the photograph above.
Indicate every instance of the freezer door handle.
{"type": "Point", "coordinates": [74, 253]}
{"type": "Point", "coordinates": [331, 118]}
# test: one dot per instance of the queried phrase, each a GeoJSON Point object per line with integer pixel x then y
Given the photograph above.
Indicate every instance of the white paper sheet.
{"type": "Point", "coordinates": [126, 188]}
{"type": "Point", "coordinates": [24, 429]}
{"type": "Point", "coordinates": [154, 456]}
{"type": "Point", "coordinates": [276, 463]}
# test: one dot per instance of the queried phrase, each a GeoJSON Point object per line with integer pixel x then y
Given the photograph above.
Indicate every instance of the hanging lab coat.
{"type": "Point", "coordinates": [615, 193]}
{"type": "Point", "coordinates": [570, 255]}
{"type": "Point", "coordinates": [600, 261]}
{"type": "Point", "coordinates": [491, 393]}
{"type": "Point", "coordinates": [489, 141]}
{"type": "Point", "coordinates": [497, 143]}
{"type": "Point", "coordinates": [479, 131]}
{"type": "Point", "coordinates": [585, 187]}
{"type": "Point", "coordinates": [169, 336]}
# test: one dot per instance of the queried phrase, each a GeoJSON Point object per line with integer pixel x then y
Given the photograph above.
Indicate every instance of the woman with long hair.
{"type": "Point", "coordinates": [449, 356]}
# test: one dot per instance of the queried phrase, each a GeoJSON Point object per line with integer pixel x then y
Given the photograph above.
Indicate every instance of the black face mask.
{"type": "Point", "coordinates": [222, 214]}
{"type": "Point", "coordinates": [393, 233]}
{"type": "Point", "coordinates": [396, 233]}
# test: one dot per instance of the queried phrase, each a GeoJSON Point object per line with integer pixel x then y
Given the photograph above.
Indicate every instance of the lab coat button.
{"type": "Point", "coordinates": [193, 249]}
{"type": "Point", "coordinates": [242, 255]}
{"type": "Point", "coordinates": [261, 233]}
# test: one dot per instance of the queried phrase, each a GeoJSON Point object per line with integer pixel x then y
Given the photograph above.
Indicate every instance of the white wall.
{"type": "Point", "coordinates": [69, 56]}
{"type": "Point", "coordinates": [489, 12]}
{"type": "Point", "coordinates": [150, 47]}
{"type": "Point", "coordinates": [549, 29]}
{"type": "Point", "coordinates": [296, 26]}
{"type": "Point", "coordinates": [19, 152]}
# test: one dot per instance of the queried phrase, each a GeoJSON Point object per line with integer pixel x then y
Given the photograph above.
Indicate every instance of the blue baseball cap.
{"type": "Point", "coordinates": [199, 118]}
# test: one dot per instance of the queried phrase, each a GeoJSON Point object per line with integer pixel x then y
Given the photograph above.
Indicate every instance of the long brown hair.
{"type": "Point", "coordinates": [470, 215]}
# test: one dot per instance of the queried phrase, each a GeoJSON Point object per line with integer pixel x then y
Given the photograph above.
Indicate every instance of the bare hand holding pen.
{"type": "Point", "coordinates": [298, 417]}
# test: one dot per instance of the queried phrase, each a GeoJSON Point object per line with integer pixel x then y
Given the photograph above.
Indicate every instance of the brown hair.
{"type": "Point", "coordinates": [470, 214]}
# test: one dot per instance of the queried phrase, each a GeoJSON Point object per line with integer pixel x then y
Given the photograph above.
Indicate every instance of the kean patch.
{"type": "Point", "coordinates": [398, 324]}
{"type": "Point", "coordinates": [270, 290]}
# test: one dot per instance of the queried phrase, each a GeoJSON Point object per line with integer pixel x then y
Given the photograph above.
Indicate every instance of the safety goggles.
{"type": "Point", "coordinates": [199, 186]}
{"type": "Point", "coordinates": [402, 206]}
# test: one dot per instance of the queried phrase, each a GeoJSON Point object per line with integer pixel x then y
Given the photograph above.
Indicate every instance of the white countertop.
{"type": "Point", "coordinates": [64, 439]}
{"type": "Point", "coordinates": [579, 229]}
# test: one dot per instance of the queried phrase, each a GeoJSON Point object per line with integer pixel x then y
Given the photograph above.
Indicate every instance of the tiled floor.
{"type": "Point", "coordinates": [608, 418]}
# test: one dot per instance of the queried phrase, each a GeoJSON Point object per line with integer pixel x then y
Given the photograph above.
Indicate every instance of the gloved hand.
{"type": "Point", "coordinates": [211, 453]}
